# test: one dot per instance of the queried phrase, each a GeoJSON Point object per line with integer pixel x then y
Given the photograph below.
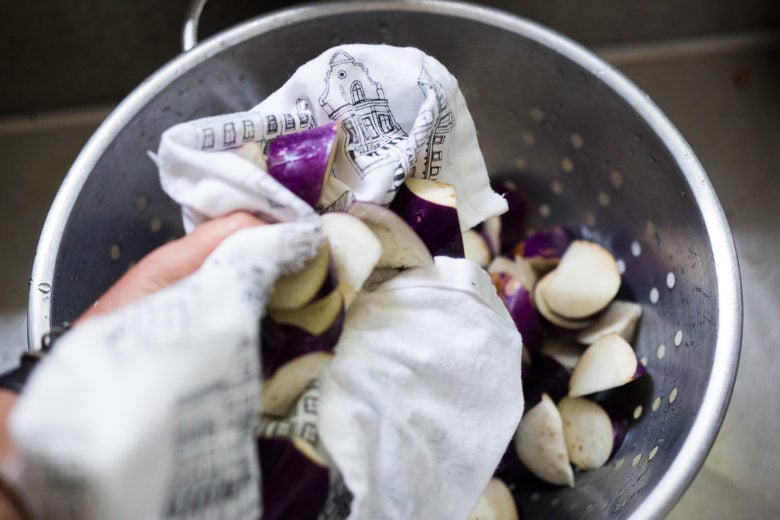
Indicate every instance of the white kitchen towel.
{"type": "Point", "coordinates": [424, 393]}
{"type": "Point", "coordinates": [401, 112]}
{"type": "Point", "coordinates": [149, 412]}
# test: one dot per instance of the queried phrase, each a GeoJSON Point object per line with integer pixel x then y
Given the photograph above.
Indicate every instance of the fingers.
{"type": "Point", "coordinates": [170, 262]}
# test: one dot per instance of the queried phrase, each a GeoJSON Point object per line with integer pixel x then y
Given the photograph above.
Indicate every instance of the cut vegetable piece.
{"type": "Point", "coordinates": [316, 317]}
{"type": "Point", "coordinates": [401, 246]}
{"type": "Point", "coordinates": [282, 389]}
{"type": "Point", "coordinates": [563, 349]}
{"type": "Point", "coordinates": [282, 342]}
{"type": "Point", "coordinates": [476, 248]}
{"type": "Point", "coordinates": [621, 318]}
{"type": "Point", "coordinates": [541, 446]}
{"type": "Point", "coordinates": [496, 503]}
{"type": "Point", "coordinates": [545, 248]}
{"type": "Point", "coordinates": [253, 152]}
{"type": "Point", "coordinates": [297, 289]}
{"type": "Point", "coordinates": [585, 281]}
{"type": "Point", "coordinates": [295, 479]}
{"type": "Point", "coordinates": [608, 363]}
{"type": "Point", "coordinates": [544, 376]}
{"type": "Point", "coordinates": [355, 250]}
{"type": "Point", "coordinates": [518, 267]}
{"type": "Point", "coordinates": [518, 302]}
{"type": "Point", "coordinates": [588, 431]}
{"type": "Point", "coordinates": [552, 317]}
{"type": "Point", "coordinates": [302, 161]}
{"type": "Point", "coordinates": [429, 207]}
{"type": "Point", "coordinates": [513, 220]}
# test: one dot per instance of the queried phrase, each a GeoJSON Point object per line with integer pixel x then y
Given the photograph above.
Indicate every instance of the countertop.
{"type": "Point", "coordinates": [724, 96]}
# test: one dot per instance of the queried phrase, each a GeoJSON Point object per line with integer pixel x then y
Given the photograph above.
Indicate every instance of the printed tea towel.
{"type": "Point", "coordinates": [401, 113]}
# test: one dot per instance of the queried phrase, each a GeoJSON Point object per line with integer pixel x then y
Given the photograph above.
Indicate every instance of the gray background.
{"type": "Point", "coordinates": [712, 65]}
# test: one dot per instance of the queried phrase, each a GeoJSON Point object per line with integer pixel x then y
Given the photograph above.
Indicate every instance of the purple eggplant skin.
{"type": "Point", "coordinates": [437, 225]}
{"type": "Point", "coordinates": [513, 221]}
{"type": "Point", "coordinates": [293, 485]}
{"type": "Point", "coordinates": [301, 161]}
{"type": "Point", "coordinates": [282, 342]}
{"type": "Point", "coordinates": [545, 375]}
{"type": "Point", "coordinates": [547, 244]}
{"type": "Point", "coordinates": [519, 302]}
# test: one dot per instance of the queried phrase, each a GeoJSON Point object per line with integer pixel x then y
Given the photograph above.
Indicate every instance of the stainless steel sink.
{"type": "Point", "coordinates": [724, 96]}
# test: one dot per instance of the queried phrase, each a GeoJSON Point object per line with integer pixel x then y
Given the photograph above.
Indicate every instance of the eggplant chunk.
{"type": "Point", "coordinates": [476, 248]}
{"type": "Point", "coordinates": [621, 317]}
{"type": "Point", "coordinates": [295, 478]}
{"type": "Point", "coordinates": [280, 391]}
{"type": "Point", "coordinates": [297, 289]}
{"type": "Point", "coordinates": [545, 248]}
{"type": "Point", "coordinates": [556, 319]}
{"type": "Point", "coordinates": [608, 363]}
{"type": "Point", "coordinates": [586, 280]}
{"type": "Point", "coordinates": [430, 208]}
{"type": "Point", "coordinates": [541, 446]}
{"type": "Point", "coordinates": [588, 431]}
{"type": "Point", "coordinates": [496, 503]}
{"type": "Point", "coordinates": [401, 246]}
{"type": "Point", "coordinates": [302, 161]}
{"type": "Point", "coordinates": [355, 250]}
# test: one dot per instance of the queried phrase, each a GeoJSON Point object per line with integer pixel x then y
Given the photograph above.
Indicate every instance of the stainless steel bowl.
{"type": "Point", "coordinates": [590, 150]}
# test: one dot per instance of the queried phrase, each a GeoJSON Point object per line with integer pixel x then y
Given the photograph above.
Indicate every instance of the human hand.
{"type": "Point", "coordinates": [162, 267]}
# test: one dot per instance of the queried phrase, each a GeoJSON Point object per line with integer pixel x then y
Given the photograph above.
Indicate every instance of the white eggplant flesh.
{"type": "Point", "coordinates": [621, 318]}
{"type": "Point", "coordinates": [585, 282]}
{"type": "Point", "coordinates": [401, 246]}
{"type": "Point", "coordinates": [496, 503]}
{"type": "Point", "coordinates": [491, 229]}
{"type": "Point", "coordinates": [541, 446]}
{"type": "Point", "coordinates": [316, 317]}
{"type": "Point", "coordinates": [476, 248]}
{"type": "Point", "coordinates": [280, 391]}
{"type": "Point", "coordinates": [355, 250]}
{"type": "Point", "coordinates": [430, 208]}
{"type": "Point", "coordinates": [588, 431]}
{"type": "Point", "coordinates": [295, 290]}
{"type": "Point", "coordinates": [608, 363]}
{"type": "Point", "coordinates": [556, 319]}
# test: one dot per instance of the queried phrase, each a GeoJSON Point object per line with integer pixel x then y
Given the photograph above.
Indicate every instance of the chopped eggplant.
{"type": "Point", "coordinates": [430, 208]}
{"type": "Point", "coordinates": [608, 363]}
{"type": "Point", "coordinates": [281, 390]}
{"type": "Point", "coordinates": [517, 300]}
{"type": "Point", "coordinates": [541, 446]}
{"type": "Point", "coordinates": [297, 289]}
{"type": "Point", "coordinates": [545, 248]}
{"type": "Point", "coordinates": [543, 376]}
{"type": "Point", "coordinates": [401, 246]}
{"type": "Point", "coordinates": [621, 317]}
{"type": "Point", "coordinates": [585, 282]}
{"type": "Point", "coordinates": [588, 431]}
{"type": "Point", "coordinates": [563, 349]}
{"type": "Point", "coordinates": [496, 503]}
{"type": "Point", "coordinates": [541, 305]}
{"type": "Point", "coordinates": [355, 250]}
{"type": "Point", "coordinates": [476, 248]}
{"type": "Point", "coordinates": [518, 267]}
{"type": "Point", "coordinates": [295, 478]}
{"type": "Point", "coordinates": [302, 161]}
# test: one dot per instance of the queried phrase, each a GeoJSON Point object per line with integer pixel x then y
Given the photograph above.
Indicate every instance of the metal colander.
{"type": "Point", "coordinates": [588, 148]}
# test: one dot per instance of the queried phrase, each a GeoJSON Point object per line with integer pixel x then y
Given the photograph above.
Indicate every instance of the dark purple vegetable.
{"type": "Point", "coordinates": [294, 477]}
{"type": "Point", "coordinates": [429, 207]}
{"type": "Point", "coordinates": [513, 222]}
{"type": "Point", "coordinates": [281, 342]}
{"type": "Point", "coordinates": [301, 161]}
{"type": "Point", "coordinates": [545, 375]}
{"type": "Point", "coordinates": [545, 248]}
{"type": "Point", "coordinates": [518, 302]}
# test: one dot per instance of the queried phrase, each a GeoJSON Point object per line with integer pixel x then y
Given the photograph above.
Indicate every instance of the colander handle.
{"type": "Point", "coordinates": [189, 34]}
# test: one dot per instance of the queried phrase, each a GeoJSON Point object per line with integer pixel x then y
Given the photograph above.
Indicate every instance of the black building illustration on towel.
{"type": "Point", "coordinates": [375, 140]}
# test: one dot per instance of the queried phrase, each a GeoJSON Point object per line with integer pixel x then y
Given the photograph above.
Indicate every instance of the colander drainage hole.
{"type": "Point", "coordinates": [115, 252]}
{"type": "Point", "coordinates": [567, 165]}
